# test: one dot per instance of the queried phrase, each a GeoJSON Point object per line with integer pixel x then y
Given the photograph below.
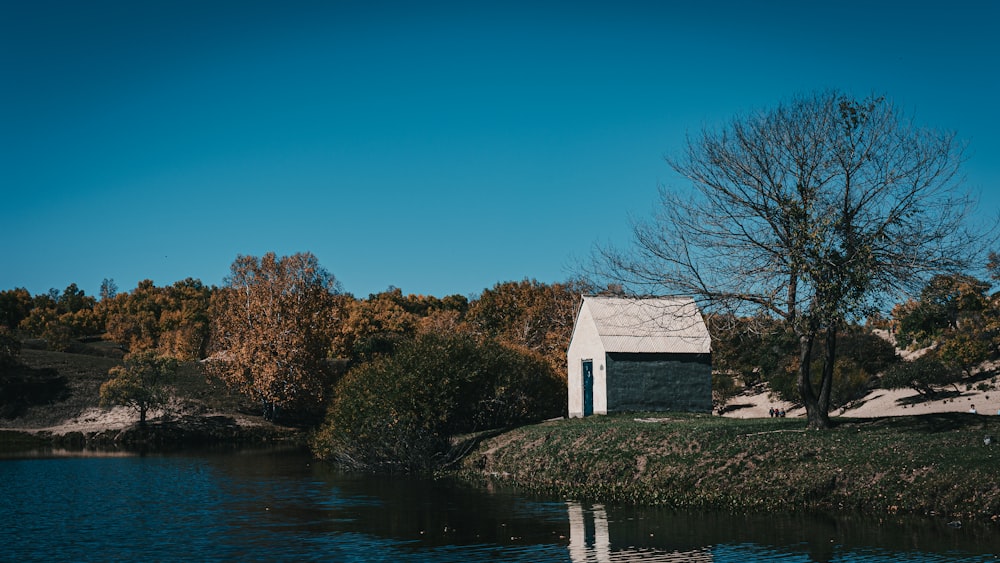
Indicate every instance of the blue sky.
{"type": "Point", "coordinates": [440, 147]}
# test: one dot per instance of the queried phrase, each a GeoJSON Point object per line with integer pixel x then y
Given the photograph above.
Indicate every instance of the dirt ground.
{"type": "Point", "coordinates": [882, 402]}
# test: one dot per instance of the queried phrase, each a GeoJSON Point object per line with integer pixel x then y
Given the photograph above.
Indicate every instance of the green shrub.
{"type": "Point", "coordinates": [923, 375]}
{"type": "Point", "coordinates": [400, 413]}
{"type": "Point", "coordinates": [861, 355]}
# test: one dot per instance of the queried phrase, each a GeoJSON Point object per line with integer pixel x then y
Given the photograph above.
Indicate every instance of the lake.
{"type": "Point", "coordinates": [282, 506]}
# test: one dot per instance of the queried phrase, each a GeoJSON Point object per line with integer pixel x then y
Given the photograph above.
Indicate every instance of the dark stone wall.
{"type": "Point", "coordinates": [659, 382]}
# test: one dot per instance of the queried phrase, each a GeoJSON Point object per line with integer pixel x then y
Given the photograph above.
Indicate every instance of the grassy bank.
{"type": "Point", "coordinates": [930, 464]}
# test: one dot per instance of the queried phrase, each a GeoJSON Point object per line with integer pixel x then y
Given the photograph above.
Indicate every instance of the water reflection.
{"type": "Point", "coordinates": [600, 534]}
{"type": "Point", "coordinates": [283, 506]}
{"type": "Point", "coordinates": [590, 541]}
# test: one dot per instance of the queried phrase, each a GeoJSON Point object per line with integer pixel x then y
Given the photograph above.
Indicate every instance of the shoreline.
{"type": "Point", "coordinates": [932, 465]}
{"type": "Point", "coordinates": [112, 430]}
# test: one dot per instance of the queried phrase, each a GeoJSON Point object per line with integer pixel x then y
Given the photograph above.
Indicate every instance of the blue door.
{"type": "Point", "coordinates": [588, 388]}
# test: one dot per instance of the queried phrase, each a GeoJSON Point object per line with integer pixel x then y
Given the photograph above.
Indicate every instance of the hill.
{"type": "Point", "coordinates": [983, 393]}
{"type": "Point", "coordinates": [200, 410]}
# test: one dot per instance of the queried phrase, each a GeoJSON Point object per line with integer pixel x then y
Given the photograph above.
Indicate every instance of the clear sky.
{"type": "Point", "coordinates": [440, 147]}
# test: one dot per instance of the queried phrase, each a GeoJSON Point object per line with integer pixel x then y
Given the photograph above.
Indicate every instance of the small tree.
{"type": "Point", "coordinates": [140, 383]}
{"type": "Point", "coordinates": [947, 304]}
{"type": "Point", "coordinates": [957, 315]}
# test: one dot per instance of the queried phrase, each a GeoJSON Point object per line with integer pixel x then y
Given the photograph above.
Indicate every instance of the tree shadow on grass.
{"type": "Point", "coordinates": [920, 398]}
{"type": "Point", "coordinates": [735, 407]}
{"type": "Point", "coordinates": [22, 386]}
{"type": "Point", "coordinates": [931, 423]}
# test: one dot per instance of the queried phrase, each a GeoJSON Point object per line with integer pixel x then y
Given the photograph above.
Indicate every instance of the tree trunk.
{"type": "Point", "coordinates": [826, 383]}
{"type": "Point", "coordinates": [816, 415]}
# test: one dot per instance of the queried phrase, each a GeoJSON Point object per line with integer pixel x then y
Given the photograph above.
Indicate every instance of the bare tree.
{"type": "Point", "coordinates": [814, 212]}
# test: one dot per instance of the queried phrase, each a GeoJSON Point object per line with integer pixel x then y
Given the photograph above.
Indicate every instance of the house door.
{"type": "Point", "coordinates": [588, 387]}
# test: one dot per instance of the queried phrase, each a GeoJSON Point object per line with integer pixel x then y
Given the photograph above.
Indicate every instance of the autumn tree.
{"type": "Point", "coordinates": [61, 317]}
{"type": "Point", "coordinates": [375, 326]}
{"type": "Point", "coordinates": [272, 326]}
{"type": "Point", "coordinates": [108, 289]}
{"type": "Point", "coordinates": [439, 315]}
{"type": "Point", "coordinates": [815, 212]}
{"type": "Point", "coordinates": [140, 383]}
{"type": "Point", "coordinates": [530, 315]}
{"type": "Point", "coordinates": [171, 320]}
{"type": "Point", "coordinates": [956, 316]}
{"type": "Point", "coordinates": [15, 306]}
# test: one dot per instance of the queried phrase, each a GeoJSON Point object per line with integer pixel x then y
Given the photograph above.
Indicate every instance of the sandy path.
{"type": "Point", "coordinates": [880, 402]}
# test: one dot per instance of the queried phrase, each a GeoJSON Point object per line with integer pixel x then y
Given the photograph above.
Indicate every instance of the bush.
{"type": "Point", "coordinates": [850, 382]}
{"type": "Point", "coordinates": [861, 355]}
{"type": "Point", "coordinates": [923, 375]}
{"type": "Point", "coordinates": [400, 413]}
{"type": "Point", "coordinates": [724, 388]}
{"type": "Point", "coordinates": [869, 352]}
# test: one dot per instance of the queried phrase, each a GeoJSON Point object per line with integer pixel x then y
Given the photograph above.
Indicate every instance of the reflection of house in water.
{"type": "Point", "coordinates": [588, 534]}
{"type": "Point", "coordinates": [591, 538]}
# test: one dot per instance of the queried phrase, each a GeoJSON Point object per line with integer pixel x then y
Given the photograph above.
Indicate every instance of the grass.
{"type": "Point", "coordinates": [931, 464]}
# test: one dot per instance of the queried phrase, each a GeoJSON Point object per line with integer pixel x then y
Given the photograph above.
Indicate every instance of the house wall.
{"type": "Point", "coordinates": [658, 382]}
{"type": "Point", "coordinates": [585, 345]}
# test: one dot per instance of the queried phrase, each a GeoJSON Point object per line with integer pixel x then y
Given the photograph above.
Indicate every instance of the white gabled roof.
{"type": "Point", "coordinates": [671, 325]}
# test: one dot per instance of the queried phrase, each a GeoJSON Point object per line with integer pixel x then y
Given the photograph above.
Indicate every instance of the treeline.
{"type": "Point", "coordinates": [389, 380]}
{"type": "Point", "coordinates": [175, 320]}
{"type": "Point", "coordinates": [281, 331]}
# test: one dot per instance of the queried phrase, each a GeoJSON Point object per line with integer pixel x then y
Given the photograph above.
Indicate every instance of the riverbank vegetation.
{"type": "Point", "coordinates": [401, 413]}
{"type": "Point", "coordinates": [941, 464]}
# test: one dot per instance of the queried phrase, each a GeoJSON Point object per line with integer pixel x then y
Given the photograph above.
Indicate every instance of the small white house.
{"type": "Point", "coordinates": [639, 354]}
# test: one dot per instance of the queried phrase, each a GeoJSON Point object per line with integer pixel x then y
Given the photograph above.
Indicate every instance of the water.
{"type": "Point", "coordinates": [282, 506]}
